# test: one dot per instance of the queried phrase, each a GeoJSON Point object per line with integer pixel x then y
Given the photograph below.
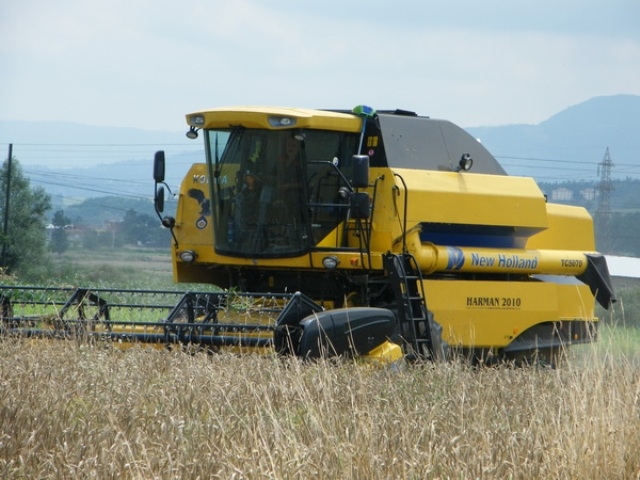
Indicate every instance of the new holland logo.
{"type": "Point", "coordinates": [456, 258]}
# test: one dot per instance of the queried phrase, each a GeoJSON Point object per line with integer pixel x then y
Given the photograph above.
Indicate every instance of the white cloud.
{"type": "Point", "coordinates": [145, 63]}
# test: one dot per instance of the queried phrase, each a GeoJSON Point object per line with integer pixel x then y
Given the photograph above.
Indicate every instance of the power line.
{"type": "Point", "coordinates": [102, 144]}
{"type": "Point", "coordinates": [92, 178]}
{"type": "Point", "coordinates": [571, 162]}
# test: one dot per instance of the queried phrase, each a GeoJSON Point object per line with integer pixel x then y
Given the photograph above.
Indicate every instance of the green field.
{"type": "Point", "coordinates": [122, 267]}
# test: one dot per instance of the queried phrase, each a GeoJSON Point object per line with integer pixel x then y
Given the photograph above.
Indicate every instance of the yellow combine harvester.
{"type": "Point", "coordinates": [404, 230]}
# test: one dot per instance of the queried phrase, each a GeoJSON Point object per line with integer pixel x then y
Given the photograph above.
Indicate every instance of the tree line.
{"type": "Point", "coordinates": [29, 234]}
{"type": "Point", "coordinates": [138, 229]}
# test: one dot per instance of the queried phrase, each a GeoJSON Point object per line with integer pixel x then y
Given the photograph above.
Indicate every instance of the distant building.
{"type": "Point", "coordinates": [561, 194]}
{"type": "Point", "coordinates": [588, 193]}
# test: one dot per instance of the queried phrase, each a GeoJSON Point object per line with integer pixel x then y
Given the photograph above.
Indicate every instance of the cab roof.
{"type": "Point", "coordinates": [274, 118]}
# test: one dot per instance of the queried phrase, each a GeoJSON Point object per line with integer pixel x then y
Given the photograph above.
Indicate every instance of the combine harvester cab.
{"type": "Point", "coordinates": [371, 212]}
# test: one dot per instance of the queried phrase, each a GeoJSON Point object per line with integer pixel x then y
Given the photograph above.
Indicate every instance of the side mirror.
{"type": "Point", "coordinates": [360, 164]}
{"type": "Point", "coordinates": [159, 200]}
{"type": "Point", "coordinates": [360, 206]}
{"type": "Point", "coordinates": [158, 166]}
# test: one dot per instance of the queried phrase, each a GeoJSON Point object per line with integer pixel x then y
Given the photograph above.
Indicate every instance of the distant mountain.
{"type": "Point", "coordinates": [570, 144]}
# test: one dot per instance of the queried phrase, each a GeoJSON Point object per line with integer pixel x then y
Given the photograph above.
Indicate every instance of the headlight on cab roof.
{"type": "Point", "coordinates": [282, 122]}
{"type": "Point", "coordinates": [196, 120]}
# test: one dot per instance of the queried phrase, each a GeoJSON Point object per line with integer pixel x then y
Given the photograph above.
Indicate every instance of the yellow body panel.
{"type": "Point", "coordinates": [569, 228]}
{"type": "Point", "coordinates": [476, 199]}
{"type": "Point", "coordinates": [384, 354]}
{"type": "Point", "coordinates": [492, 314]}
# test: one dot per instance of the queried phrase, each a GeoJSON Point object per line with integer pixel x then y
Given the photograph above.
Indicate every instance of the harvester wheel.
{"type": "Point", "coordinates": [440, 348]}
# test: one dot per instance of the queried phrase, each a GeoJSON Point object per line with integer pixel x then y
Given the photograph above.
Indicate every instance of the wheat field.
{"type": "Point", "coordinates": [71, 411]}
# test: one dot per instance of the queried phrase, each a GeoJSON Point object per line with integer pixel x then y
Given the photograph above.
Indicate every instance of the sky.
{"type": "Point", "coordinates": [146, 63]}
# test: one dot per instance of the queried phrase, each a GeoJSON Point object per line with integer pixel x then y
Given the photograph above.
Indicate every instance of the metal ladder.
{"type": "Point", "coordinates": [415, 320]}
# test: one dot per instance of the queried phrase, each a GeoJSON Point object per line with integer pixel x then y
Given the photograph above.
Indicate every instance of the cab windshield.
{"type": "Point", "coordinates": [278, 193]}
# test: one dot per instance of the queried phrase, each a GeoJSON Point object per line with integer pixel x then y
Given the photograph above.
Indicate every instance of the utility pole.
{"type": "Point", "coordinates": [5, 231]}
{"type": "Point", "coordinates": [603, 214]}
